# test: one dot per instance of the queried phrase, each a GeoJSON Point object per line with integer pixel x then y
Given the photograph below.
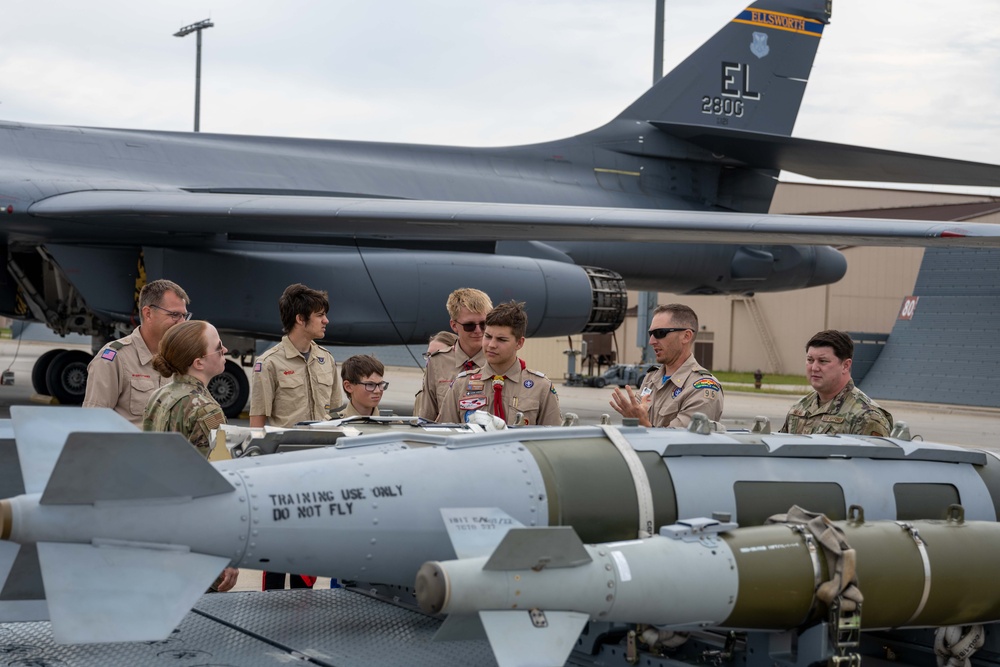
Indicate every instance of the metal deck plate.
{"type": "Point", "coordinates": [330, 628]}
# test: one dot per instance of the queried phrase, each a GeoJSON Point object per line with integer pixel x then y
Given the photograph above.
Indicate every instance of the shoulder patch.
{"type": "Point", "coordinates": [109, 354]}
{"type": "Point", "coordinates": [256, 367]}
{"type": "Point", "coordinates": [116, 345]}
{"type": "Point", "coordinates": [708, 383]}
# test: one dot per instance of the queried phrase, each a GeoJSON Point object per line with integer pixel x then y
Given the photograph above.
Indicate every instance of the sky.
{"type": "Point", "coordinates": [908, 75]}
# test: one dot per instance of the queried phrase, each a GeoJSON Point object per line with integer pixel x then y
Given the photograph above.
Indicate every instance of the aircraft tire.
{"type": "Point", "coordinates": [66, 377]}
{"type": "Point", "coordinates": [231, 389]}
{"type": "Point", "coordinates": [39, 370]}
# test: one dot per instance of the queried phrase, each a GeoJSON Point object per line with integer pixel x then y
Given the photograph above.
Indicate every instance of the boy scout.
{"type": "Point", "coordinates": [121, 375]}
{"type": "Point", "coordinates": [672, 393]}
{"type": "Point", "coordinates": [504, 386]}
{"type": "Point", "coordinates": [363, 385]}
{"type": "Point", "coordinates": [467, 308]}
{"type": "Point", "coordinates": [296, 380]}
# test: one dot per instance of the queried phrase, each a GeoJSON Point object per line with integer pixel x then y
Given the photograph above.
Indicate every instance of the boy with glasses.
{"type": "Point", "coordinates": [121, 375]}
{"type": "Point", "coordinates": [362, 378]}
{"type": "Point", "coordinates": [467, 308]}
{"type": "Point", "coordinates": [671, 394]}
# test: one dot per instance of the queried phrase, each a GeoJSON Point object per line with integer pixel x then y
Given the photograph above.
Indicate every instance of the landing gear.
{"type": "Point", "coordinates": [231, 389]}
{"type": "Point", "coordinates": [66, 376]}
{"type": "Point", "coordinates": [40, 369]}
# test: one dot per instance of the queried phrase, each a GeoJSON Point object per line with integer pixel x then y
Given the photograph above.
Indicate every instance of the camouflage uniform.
{"type": "Point", "coordinates": [850, 412]}
{"type": "Point", "coordinates": [442, 367]}
{"type": "Point", "coordinates": [121, 376]}
{"type": "Point", "coordinates": [691, 388]}
{"type": "Point", "coordinates": [524, 390]}
{"type": "Point", "coordinates": [287, 388]}
{"type": "Point", "coordinates": [185, 406]}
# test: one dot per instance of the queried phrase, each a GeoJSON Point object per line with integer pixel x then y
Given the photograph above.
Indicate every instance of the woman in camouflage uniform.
{"type": "Point", "coordinates": [192, 354]}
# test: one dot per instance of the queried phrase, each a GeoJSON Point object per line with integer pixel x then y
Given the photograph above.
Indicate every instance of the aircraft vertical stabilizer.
{"type": "Point", "coordinates": [751, 75]}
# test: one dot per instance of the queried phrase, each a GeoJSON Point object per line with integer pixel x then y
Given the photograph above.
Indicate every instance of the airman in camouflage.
{"type": "Point", "coordinates": [836, 405]}
{"type": "Point", "coordinates": [850, 411]}
{"type": "Point", "coordinates": [185, 406]}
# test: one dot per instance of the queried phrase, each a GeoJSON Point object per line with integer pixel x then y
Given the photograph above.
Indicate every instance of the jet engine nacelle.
{"type": "Point", "coordinates": [384, 296]}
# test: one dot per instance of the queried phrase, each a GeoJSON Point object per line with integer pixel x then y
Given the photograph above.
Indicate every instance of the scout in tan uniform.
{"type": "Point", "coordinates": [467, 309]}
{"type": "Point", "coordinates": [296, 380]}
{"type": "Point", "coordinates": [442, 341]}
{"type": "Point", "coordinates": [121, 375]}
{"type": "Point", "coordinates": [190, 354]}
{"type": "Point", "coordinates": [504, 387]}
{"type": "Point", "coordinates": [836, 405]}
{"type": "Point", "coordinates": [363, 385]}
{"type": "Point", "coordinates": [671, 394]}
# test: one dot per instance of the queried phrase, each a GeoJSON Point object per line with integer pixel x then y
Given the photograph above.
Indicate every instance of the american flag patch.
{"type": "Point", "coordinates": [256, 367]}
{"type": "Point", "coordinates": [108, 354]}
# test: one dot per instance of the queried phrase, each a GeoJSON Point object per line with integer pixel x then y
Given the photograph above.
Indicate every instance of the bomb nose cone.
{"type": "Point", "coordinates": [431, 587]}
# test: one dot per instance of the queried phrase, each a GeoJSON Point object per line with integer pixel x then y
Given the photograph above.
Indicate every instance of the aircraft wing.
{"type": "Point", "coordinates": [822, 159]}
{"type": "Point", "coordinates": [328, 219]}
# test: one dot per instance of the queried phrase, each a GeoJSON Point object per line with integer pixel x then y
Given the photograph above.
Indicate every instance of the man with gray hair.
{"type": "Point", "coordinates": [672, 393]}
{"type": "Point", "coordinates": [121, 375]}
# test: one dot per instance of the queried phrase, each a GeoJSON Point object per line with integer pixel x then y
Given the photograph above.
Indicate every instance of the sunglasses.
{"type": "Point", "coordinates": [471, 326]}
{"type": "Point", "coordinates": [660, 334]}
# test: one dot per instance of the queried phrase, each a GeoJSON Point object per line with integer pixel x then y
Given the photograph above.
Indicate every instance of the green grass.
{"type": "Point", "coordinates": [747, 378]}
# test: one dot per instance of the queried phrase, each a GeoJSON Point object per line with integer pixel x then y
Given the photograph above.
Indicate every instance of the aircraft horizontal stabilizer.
{"type": "Point", "coordinates": [121, 592]}
{"type": "Point", "coordinates": [822, 159]}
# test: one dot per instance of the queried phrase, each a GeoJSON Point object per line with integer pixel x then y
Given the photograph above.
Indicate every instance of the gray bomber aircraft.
{"type": "Point", "coordinates": [670, 195]}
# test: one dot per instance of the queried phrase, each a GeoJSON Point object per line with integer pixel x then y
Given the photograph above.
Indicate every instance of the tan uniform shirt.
{"type": "Point", "coordinates": [850, 411]}
{"type": "Point", "coordinates": [442, 367]}
{"type": "Point", "coordinates": [286, 388]}
{"type": "Point", "coordinates": [121, 376]}
{"type": "Point", "coordinates": [524, 390]}
{"type": "Point", "coordinates": [350, 411]}
{"type": "Point", "coordinates": [690, 389]}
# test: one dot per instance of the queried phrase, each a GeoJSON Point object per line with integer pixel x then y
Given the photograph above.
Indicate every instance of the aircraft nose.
{"type": "Point", "coordinates": [829, 267]}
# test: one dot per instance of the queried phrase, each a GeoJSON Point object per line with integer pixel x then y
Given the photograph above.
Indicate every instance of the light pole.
{"type": "Point", "coordinates": [187, 30]}
{"type": "Point", "coordinates": [647, 300]}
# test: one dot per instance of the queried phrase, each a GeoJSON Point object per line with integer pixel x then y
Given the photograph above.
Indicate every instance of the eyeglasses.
{"type": "Point", "coordinates": [426, 355]}
{"type": "Point", "coordinates": [660, 334]}
{"type": "Point", "coordinates": [173, 314]}
{"type": "Point", "coordinates": [471, 326]}
{"type": "Point", "coordinates": [372, 386]}
{"type": "Point", "coordinates": [220, 350]}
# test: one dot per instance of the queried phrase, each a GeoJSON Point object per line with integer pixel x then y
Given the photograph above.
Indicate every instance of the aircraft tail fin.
{"type": "Point", "coordinates": [751, 75]}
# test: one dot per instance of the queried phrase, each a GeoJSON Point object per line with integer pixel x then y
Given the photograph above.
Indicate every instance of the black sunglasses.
{"type": "Point", "coordinates": [660, 334]}
{"type": "Point", "coordinates": [471, 326]}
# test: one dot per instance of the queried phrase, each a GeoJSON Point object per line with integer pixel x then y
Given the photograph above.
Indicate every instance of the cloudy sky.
{"type": "Point", "coordinates": [907, 75]}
